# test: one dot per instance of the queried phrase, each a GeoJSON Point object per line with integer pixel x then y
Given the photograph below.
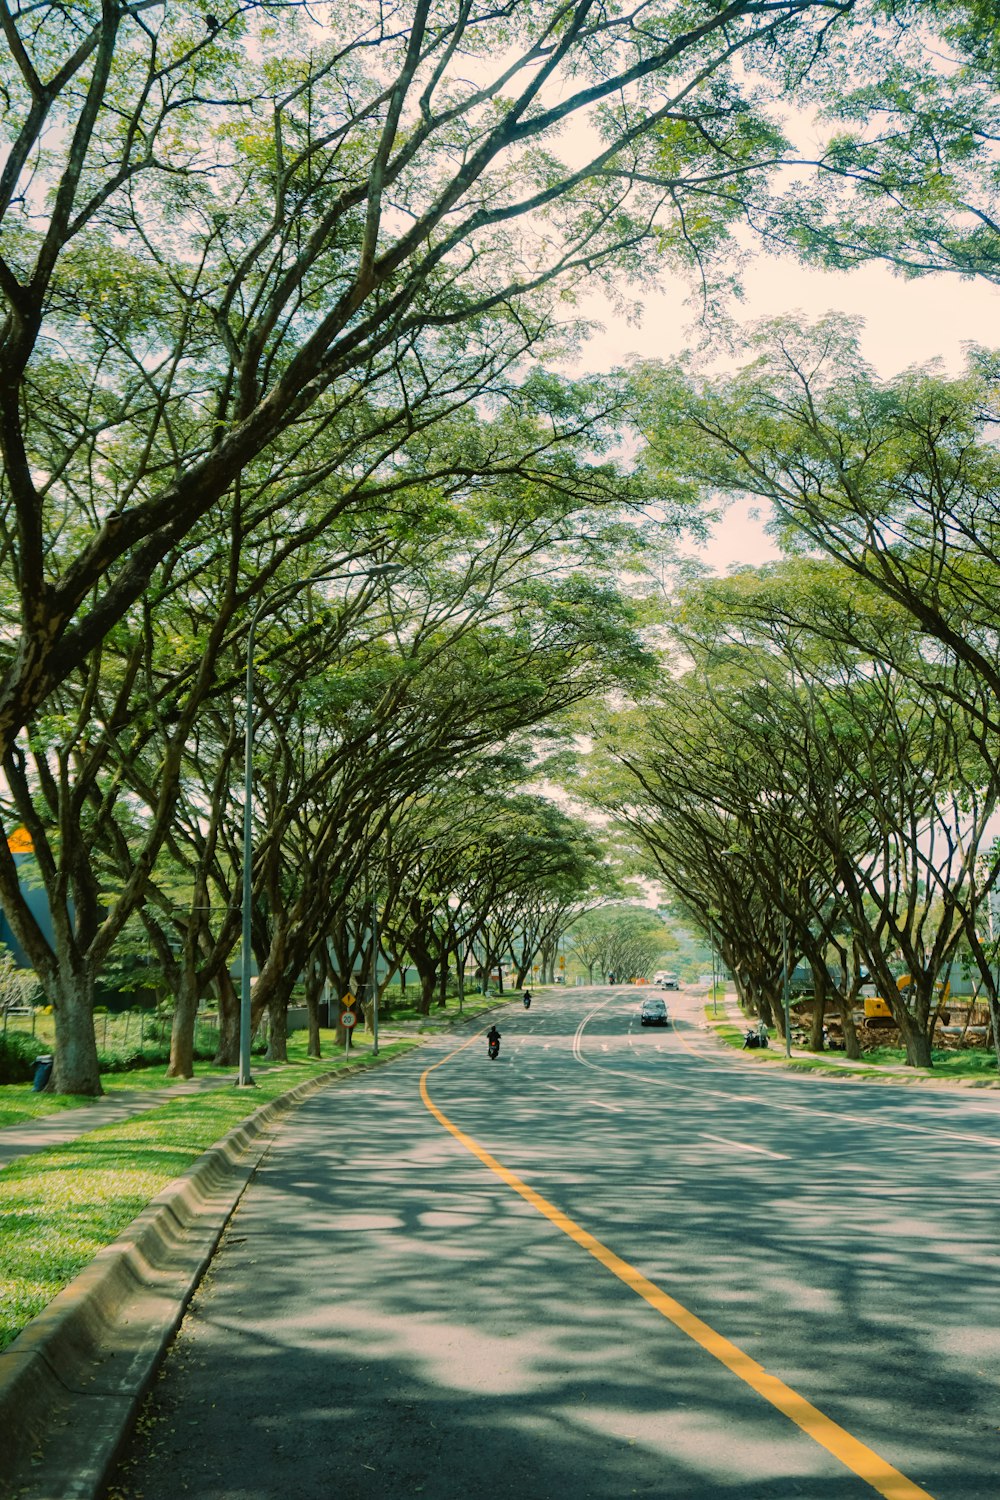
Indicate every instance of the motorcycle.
{"type": "Point", "coordinates": [754, 1039]}
{"type": "Point", "coordinates": [527, 999]}
{"type": "Point", "coordinates": [493, 1048]}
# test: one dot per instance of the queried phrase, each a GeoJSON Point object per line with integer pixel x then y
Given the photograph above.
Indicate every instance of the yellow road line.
{"type": "Point", "coordinates": [854, 1455]}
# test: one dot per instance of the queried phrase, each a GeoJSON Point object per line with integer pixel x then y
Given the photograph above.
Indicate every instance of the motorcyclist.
{"type": "Point", "coordinates": [493, 1040]}
{"type": "Point", "coordinates": [526, 997]}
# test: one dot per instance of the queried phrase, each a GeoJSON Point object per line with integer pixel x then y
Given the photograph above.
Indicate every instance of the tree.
{"type": "Point", "coordinates": [895, 480]}
{"type": "Point", "coordinates": [473, 862]}
{"type": "Point", "coordinates": [836, 766]}
{"type": "Point", "coordinates": [217, 238]}
{"type": "Point", "coordinates": [147, 739]}
{"type": "Point", "coordinates": [909, 175]}
{"type": "Point", "coordinates": [622, 939]}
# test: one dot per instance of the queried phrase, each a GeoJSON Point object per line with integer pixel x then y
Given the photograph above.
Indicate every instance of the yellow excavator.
{"type": "Point", "coordinates": [875, 1006]}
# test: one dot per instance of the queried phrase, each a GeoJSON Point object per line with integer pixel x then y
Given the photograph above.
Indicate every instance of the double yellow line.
{"type": "Point", "coordinates": [854, 1455]}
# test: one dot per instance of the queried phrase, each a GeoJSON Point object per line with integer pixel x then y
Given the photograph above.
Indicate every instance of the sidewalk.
{"type": "Point", "coordinates": [68, 1125]}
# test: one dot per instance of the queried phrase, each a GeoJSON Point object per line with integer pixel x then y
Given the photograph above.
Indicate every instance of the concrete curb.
{"type": "Point", "coordinates": [72, 1381]}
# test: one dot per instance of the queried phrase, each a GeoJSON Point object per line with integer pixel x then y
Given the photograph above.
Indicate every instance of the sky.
{"type": "Point", "coordinates": [907, 322]}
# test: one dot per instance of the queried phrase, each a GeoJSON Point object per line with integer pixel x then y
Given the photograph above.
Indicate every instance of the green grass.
{"type": "Point", "coordinates": [976, 1064]}
{"type": "Point", "coordinates": [20, 1103]}
{"type": "Point", "coordinates": [724, 1028]}
{"type": "Point", "coordinates": [473, 1005]}
{"type": "Point", "coordinates": [59, 1207]}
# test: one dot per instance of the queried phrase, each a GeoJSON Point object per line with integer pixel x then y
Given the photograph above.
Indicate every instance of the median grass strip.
{"type": "Point", "coordinates": [60, 1206]}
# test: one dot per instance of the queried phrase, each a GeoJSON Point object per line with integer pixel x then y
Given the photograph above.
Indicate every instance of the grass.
{"type": "Point", "coordinates": [978, 1064]}
{"type": "Point", "coordinates": [473, 1005]}
{"type": "Point", "coordinates": [59, 1207]}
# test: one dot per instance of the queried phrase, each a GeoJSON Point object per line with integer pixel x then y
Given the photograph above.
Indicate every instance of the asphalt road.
{"type": "Point", "coordinates": [642, 1266]}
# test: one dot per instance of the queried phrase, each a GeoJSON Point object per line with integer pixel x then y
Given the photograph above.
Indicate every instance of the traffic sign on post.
{"type": "Point", "coordinates": [348, 1019]}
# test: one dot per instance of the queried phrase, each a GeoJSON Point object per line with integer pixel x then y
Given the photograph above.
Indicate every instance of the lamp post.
{"type": "Point", "coordinates": [784, 969]}
{"type": "Point", "coordinates": [271, 601]}
{"type": "Point", "coordinates": [374, 975]}
{"type": "Point", "coordinates": [712, 914]}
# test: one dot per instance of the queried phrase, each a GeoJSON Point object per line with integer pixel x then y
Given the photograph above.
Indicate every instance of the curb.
{"type": "Point", "coordinates": [72, 1381]}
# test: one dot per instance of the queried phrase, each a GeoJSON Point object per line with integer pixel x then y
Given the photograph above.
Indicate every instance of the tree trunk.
{"type": "Point", "coordinates": [915, 1038]}
{"type": "Point", "coordinates": [315, 977]}
{"type": "Point", "coordinates": [994, 1028]}
{"type": "Point", "coordinates": [185, 1017]}
{"type": "Point", "coordinates": [816, 1026]}
{"type": "Point", "coordinates": [427, 974]}
{"type": "Point", "coordinates": [227, 1052]}
{"type": "Point", "coordinates": [428, 981]}
{"type": "Point", "coordinates": [768, 1012]}
{"type": "Point", "coordinates": [852, 1046]}
{"type": "Point", "coordinates": [75, 1068]}
{"type": "Point", "coordinates": [277, 1027]}
{"type": "Point", "coordinates": [182, 1035]}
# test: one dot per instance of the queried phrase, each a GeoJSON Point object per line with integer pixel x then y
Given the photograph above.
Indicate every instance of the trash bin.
{"type": "Point", "coordinates": [43, 1071]}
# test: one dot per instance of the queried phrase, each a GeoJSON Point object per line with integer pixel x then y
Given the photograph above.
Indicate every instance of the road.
{"type": "Point", "coordinates": [615, 1262]}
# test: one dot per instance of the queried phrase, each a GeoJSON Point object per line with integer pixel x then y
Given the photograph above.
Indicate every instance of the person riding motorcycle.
{"type": "Point", "coordinates": [526, 997]}
{"type": "Point", "coordinates": [492, 1041]}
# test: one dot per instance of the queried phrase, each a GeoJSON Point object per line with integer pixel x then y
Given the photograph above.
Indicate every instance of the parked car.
{"type": "Point", "coordinates": [654, 1012]}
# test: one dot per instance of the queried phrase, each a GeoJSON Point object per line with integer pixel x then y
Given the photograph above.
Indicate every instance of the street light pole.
{"type": "Point", "coordinates": [374, 976]}
{"type": "Point", "coordinates": [784, 970]}
{"type": "Point", "coordinates": [245, 1080]}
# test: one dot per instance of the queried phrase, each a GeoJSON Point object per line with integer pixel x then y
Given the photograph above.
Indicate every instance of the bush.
{"type": "Point", "coordinates": [17, 1057]}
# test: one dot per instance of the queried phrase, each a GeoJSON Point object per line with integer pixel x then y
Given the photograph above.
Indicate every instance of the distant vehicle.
{"type": "Point", "coordinates": [670, 981]}
{"type": "Point", "coordinates": [654, 1012]}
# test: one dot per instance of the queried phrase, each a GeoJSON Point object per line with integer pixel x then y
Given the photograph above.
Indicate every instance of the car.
{"type": "Point", "coordinates": [654, 1012]}
{"type": "Point", "coordinates": [670, 982]}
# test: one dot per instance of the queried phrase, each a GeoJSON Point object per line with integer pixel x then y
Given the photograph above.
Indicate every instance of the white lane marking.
{"type": "Point", "coordinates": [869, 1121]}
{"type": "Point", "coordinates": [742, 1146]}
{"type": "Point", "coordinates": [599, 1105]}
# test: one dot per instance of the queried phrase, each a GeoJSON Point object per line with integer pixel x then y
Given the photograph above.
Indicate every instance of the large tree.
{"type": "Point", "coordinates": [816, 761]}
{"type": "Point", "coordinates": [222, 234]}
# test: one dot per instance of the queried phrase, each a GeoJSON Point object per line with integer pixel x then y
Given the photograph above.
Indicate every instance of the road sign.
{"type": "Point", "coordinates": [348, 1019]}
